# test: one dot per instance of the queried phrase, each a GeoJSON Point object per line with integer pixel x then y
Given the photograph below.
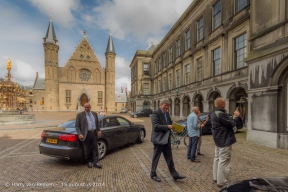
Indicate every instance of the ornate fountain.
{"type": "Point", "coordinates": [12, 98]}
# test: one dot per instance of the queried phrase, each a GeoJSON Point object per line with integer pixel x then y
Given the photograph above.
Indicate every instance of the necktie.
{"type": "Point", "coordinates": [165, 116]}
{"type": "Point", "coordinates": [90, 119]}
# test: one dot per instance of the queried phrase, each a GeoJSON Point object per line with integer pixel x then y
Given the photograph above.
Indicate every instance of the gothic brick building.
{"type": "Point", "coordinates": [81, 80]}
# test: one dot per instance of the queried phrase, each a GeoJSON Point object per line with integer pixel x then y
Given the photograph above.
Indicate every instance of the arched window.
{"type": "Point", "coordinates": [97, 76]}
{"type": "Point", "coordinates": [71, 74]}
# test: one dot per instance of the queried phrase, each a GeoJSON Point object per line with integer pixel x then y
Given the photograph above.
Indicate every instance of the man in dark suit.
{"type": "Point", "coordinates": [160, 137]}
{"type": "Point", "coordinates": [88, 130]}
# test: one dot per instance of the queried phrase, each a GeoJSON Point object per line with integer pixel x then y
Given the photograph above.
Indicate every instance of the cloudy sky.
{"type": "Point", "coordinates": [134, 24]}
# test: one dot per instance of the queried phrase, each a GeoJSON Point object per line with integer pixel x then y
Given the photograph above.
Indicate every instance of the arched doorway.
{"type": "Point", "coordinates": [83, 99]}
{"type": "Point", "coordinates": [198, 102]}
{"type": "Point", "coordinates": [177, 107]}
{"type": "Point", "coordinates": [155, 105]}
{"type": "Point", "coordinates": [186, 106]}
{"type": "Point", "coordinates": [146, 105]}
{"type": "Point", "coordinates": [214, 95]}
{"type": "Point", "coordinates": [238, 99]}
{"type": "Point", "coordinates": [158, 104]}
{"type": "Point", "coordinates": [170, 107]}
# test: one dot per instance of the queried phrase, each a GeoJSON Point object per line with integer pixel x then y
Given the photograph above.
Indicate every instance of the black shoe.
{"type": "Point", "coordinates": [98, 165]}
{"type": "Point", "coordinates": [155, 178]}
{"type": "Point", "coordinates": [89, 165]}
{"type": "Point", "coordinates": [200, 153]}
{"type": "Point", "coordinates": [179, 177]}
{"type": "Point", "coordinates": [220, 186]}
{"type": "Point", "coordinates": [188, 158]}
{"type": "Point", "coordinates": [195, 161]}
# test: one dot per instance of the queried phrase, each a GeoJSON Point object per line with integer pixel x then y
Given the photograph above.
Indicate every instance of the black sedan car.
{"type": "Point", "coordinates": [258, 184]}
{"type": "Point", "coordinates": [142, 113]}
{"type": "Point", "coordinates": [62, 141]}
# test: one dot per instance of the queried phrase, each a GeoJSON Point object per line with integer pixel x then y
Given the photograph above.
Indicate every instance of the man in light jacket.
{"type": "Point", "coordinates": [193, 127]}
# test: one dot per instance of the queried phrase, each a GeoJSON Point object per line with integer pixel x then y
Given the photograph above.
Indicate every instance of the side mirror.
{"type": "Point", "coordinates": [131, 123]}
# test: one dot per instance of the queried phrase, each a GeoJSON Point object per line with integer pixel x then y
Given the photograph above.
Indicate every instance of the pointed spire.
{"type": "Point", "coordinates": [110, 45]}
{"type": "Point", "coordinates": [50, 34]}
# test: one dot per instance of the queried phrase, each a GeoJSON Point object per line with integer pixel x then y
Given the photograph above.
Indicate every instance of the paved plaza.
{"type": "Point", "coordinates": [125, 168]}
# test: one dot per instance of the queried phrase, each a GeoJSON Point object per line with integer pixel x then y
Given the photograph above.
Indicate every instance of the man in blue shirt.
{"type": "Point", "coordinates": [193, 127]}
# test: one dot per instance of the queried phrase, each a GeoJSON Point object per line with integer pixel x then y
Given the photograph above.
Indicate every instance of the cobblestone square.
{"type": "Point", "coordinates": [125, 168]}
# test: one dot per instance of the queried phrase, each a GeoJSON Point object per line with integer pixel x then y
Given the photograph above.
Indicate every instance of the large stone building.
{"type": "Point", "coordinates": [81, 80]}
{"type": "Point", "coordinates": [236, 49]}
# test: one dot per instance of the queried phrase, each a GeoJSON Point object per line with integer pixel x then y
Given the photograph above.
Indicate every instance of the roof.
{"type": "Point", "coordinates": [50, 34]}
{"type": "Point", "coordinates": [25, 87]}
{"type": "Point", "coordinates": [110, 45]}
{"type": "Point", "coordinates": [39, 83]}
{"type": "Point", "coordinates": [151, 48]}
{"type": "Point", "coordinates": [120, 97]}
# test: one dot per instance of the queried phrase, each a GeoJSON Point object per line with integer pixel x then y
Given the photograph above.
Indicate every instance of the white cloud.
{"type": "Point", "coordinates": [61, 10]}
{"type": "Point", "coordinates": [21, 72]}
{"type": "Point", "coordinates": [122, 73]}
{"type": "Point", "coordinates": [137, 17]}
{"type": "Point", "coordinates": [122, 82]}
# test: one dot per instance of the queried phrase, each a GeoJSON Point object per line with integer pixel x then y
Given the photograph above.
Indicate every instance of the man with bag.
{"type": "Point", "coordinates": [223, 135]}
{"type": "Point", "coordinates": [160, 137]}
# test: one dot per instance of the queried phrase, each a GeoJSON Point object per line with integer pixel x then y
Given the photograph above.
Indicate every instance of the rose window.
{"type": "Point", "coordinates": [85, 75]}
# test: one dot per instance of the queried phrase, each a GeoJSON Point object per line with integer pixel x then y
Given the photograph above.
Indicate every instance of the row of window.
{"type": "Point", "coordinates": [239, 52]}
{"type": "Point", "coordinates": [68, 96]}
{"type": "Point", "coordinates": [239, 55]}
{"type": "Point", "coordinates": [216, 22]}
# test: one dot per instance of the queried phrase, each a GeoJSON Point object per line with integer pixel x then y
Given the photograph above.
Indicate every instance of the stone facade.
{"type": "Point", "coordinates": [222, 48]}
{"type": "Point", "coordinates": [195, 61]}
{"type": "Point", "coordinates": [81, 80]}
{"type": "Point", "coordinates": [268, 74]}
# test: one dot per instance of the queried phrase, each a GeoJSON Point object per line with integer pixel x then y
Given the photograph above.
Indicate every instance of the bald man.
{"type": "Point", "coordinates": [88, 130]}
{"type": "Point", "coordinates": [223, 135]}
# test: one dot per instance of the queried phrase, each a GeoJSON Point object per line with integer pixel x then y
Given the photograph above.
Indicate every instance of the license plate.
{"type": "Point", "coordinates": [51, 140]}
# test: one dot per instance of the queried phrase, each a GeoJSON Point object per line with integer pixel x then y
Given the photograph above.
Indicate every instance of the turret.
{"type": "Point", "coordinates": [51, 48]}
{"type": "Point", "coordinates": [110, 75]}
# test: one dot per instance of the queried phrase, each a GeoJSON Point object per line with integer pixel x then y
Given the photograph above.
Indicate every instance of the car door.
{"type": "Point", "coordinates": [130, 133]}
{"type": "Point", "coordinates": [113, 132]}
{"type": "Point", "coordinates": [140, 113]}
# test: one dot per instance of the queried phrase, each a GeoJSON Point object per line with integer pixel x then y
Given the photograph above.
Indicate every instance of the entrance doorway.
{"type": "Point", "coordinates": [238, 100]}
{"type": "Point", "coordinates": [83, 99]}
{"type": "Point", "coordinates": [214, 95]}
{"type": "Point", "coordinates": [198, 102]}
{"type": "Point", "coordinates": [186, 106]}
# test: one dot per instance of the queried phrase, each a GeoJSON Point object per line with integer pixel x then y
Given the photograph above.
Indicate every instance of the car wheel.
{"type": "Point", "coordinates": [235, 129]}
{"type": "Point", "coordinates": [186, 140]}
{"type": "Point", "coordinates": [135, 115]}
{"type": "Point", "coordinates": [102, 149]}
{"type": "Point", "coordinates": [141, 136]}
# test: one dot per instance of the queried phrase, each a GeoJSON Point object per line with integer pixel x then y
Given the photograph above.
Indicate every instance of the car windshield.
{"type": "Point", "coordinates": [123, 109]}
{"type": "Point", "coordinates": [140, 111]}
